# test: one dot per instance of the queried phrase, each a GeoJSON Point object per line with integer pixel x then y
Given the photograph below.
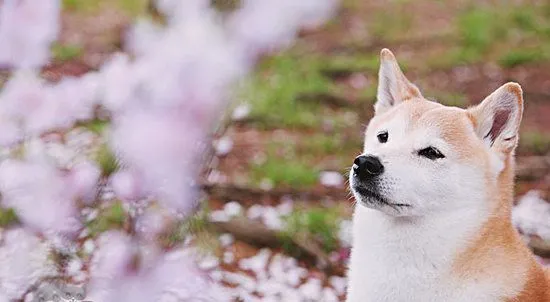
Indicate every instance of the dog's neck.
{"type": "Point", "coordinates": [436, 236]}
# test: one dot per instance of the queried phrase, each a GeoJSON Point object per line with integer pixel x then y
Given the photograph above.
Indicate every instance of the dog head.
{"type": "Point", "coordinates": [421, 157]}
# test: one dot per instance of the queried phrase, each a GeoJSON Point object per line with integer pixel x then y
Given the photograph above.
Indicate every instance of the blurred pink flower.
{"type": "Point", "coordinates": [27, 28]}
{"type": "Point", "coordinates": [157, 277]}
{"type": "Point", "coordinates": [162, 100]}
{"type": "Point", "coordinates": [127, 185]}
{"type": "Point", "coordinates": [40, 107]}
{"type": "Point", "coordinates": [162, 147]}
{"type": "Point", "coordinates": [119, 83]}
{"type": "Point", "coordinates": [83, 180]}
{"type": "Point", "coordinates": [24, 259]}
{"type": "Point", "coordinates": [151, 223]}
{"type": "Point", "coordinates": [11, 132]}
{"type": "Point", "coordinates": [276, 23]}
{"type": "Point", "coordinates": [113, 255]}
{"type": "Point", "coordinates": [39, 194]}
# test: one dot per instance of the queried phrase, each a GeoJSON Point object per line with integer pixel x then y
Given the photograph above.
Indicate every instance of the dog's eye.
{"type": "Point", "coordinates": [431, 153]}
{"type": "Point", "coordinates": [383, 136]}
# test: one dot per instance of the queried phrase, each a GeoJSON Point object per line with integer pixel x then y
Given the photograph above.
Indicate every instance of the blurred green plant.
{"type": "Point", "coordinates": [448, 98]}
{"type": "Point", "coordinates": [111, 217]}
{"type": "Point", "coordinates": [132, 7]}
{"type": "Point", "coordinates": [519, 57]}
{"type": "Point", "coordinates": [534, 142]}
{"type": "Point", "coordinates": [478, 28]}
{"type": "Point", "coordinates": [290, 91]}
{"type": "Point", "coordinates": [77, 4]}
{"type": "Point", "coordinates": [106, 160]}
{"type": "Point", "coordinates": [392, 24]}
{"type": "Point", "coordinates": [320, 143]}
{"type": "Point", "coordinates": [494, 30]}
{"type": "Point", "coordinates": [196, 225]}
{"type": "Point", "coordinates": [7, 217]}
{"type": "Point", "coordinates": [327, 144]}
{"type": "Point", "coordinates": [66, 52]}
{"type": "Point", "coordinates": [226, 5]}
{"type": "Point", "coordinates": [290, 172]}
{"type": "Point", "coordinates": [320, 223]}
{"type": "Point", "coordinates": [356, 63]}
{"type": "Point", "coordinates": [275, 89]}
{"type": "Point", "coordinates": [96, 125]}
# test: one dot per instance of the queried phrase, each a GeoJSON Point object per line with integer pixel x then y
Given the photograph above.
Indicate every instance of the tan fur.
{"type": "Point", "coordinates": [499, 251]}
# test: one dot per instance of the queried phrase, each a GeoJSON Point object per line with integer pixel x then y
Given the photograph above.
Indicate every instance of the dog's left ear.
{"type": "Point", "coordinates": [496, 120]}
{"type": "Point", "coordinates": [393, 87]}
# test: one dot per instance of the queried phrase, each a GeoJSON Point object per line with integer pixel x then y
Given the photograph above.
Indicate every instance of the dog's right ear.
{"type": "Point", "coordinates": [393, 86]}
{"type": "Point", "coordinates": [497, 119]}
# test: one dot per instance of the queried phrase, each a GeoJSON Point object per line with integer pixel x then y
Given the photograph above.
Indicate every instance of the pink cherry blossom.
{"type": "Point", "coordinates": [27, 28]}
{"type": "Point", "coordinates": [38, 193]}
{"type": "Point", "coordinates": [24, 259]}
{"type": "Point", "coordinates": [162, 95]}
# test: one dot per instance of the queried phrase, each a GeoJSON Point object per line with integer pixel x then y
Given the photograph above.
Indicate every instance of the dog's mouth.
{"type": "Point", "coordinates": [373, 195]}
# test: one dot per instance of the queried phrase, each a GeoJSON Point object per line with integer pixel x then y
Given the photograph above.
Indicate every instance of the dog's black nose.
{"type": "Point", "coordinates": [366, 166]}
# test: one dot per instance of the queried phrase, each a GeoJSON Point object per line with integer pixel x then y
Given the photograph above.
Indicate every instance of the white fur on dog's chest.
{"type": "Point", "coordinates": [409, 261]}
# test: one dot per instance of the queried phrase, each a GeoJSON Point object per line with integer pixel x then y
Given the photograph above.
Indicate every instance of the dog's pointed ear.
{"type": "Point", "coordinates": [393, 86]}
{"type": "Point", "coordinates": [497, 119]}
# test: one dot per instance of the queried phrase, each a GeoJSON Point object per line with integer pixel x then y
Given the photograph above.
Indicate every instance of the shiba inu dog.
{"type": "Point", "coordinates": [434, 190]}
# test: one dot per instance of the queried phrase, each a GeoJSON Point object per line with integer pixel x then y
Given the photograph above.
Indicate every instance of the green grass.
{"type": "Point", "coordinates": [66, 52]}
{"type": "Point", "coordinates": [351, 4]}
{"type": "Point", "coordinates": [323, 144]}
{"type": "Point", "coordinates": [392, 24]}
{"type": "Point", "coordinates": [322, 224]}
{"type": "Point", "coordinates": [285, 167]}
{"type": "Point", "coordinates": [519, 57]}
{"type": "Point", "coordinates": [501, 31]}
{"type": "Point", "coordinates": [369, 93]}
{"type": "Point", "coordinates": [78, 5]}
{"type": "Point", "coordinates": [112, 217]}
{"type": "Point", "coordinates": [226, 5]}
{"type": "Point", "coordinates": [274, 91]}
{"type": "Point", "coordinates": [106, 160]}
{"type": "Point", "coordinates": [297, 164]}
{"type": "Point", "coordinates": [7, 217]}
{"type": "Point", "coordinates": [96, 125]}
{"type": "Point", "coordinates": [355, 63]}
{"type": "Point", "coordinates": [196, 225]}
{"type": "Point", "coordinates": [534, 142]}
{"type": "Point", "coordinates": [285, 172]}
{"type": "Point", "coordinates": [448, 99]}
{"type": "Point", "coordinates": [132, 7]}
{"type": "Point", "coordinates": [524, 19]}
{"type": "Point", "coordinates": [478, 29]}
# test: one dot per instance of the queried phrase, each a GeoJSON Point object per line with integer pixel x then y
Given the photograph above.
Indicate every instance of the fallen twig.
{"type": "Point", "coordinates": [232, 192]}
